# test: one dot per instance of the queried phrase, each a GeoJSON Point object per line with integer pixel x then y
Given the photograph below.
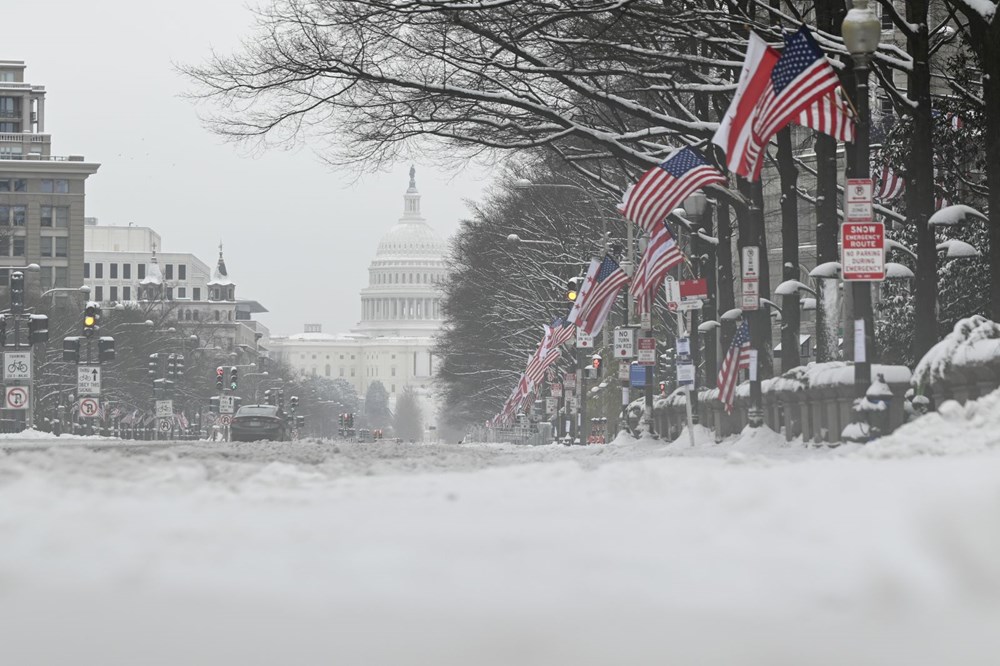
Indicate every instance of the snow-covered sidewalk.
{"type": "Point", "coordinates": [749, 552]}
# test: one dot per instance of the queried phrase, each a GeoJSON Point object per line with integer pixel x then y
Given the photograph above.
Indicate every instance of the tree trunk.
{"type": "Point", "coordinates": [789, 251]}
{"type": "Point", "coordinates": [920, 180]}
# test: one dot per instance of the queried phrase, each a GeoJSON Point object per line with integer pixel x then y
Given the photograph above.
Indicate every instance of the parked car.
{"type": "Point", "coordinates": [256, 422]}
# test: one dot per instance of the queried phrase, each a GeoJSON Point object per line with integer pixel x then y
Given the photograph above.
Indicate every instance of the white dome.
{"type": "Point", "coordinates": [411, 238]}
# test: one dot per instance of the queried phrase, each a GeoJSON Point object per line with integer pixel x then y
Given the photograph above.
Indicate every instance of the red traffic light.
{"type": "Point", "coordinates": [219, 372]}
{"type": "Point", "coordinates": [596, 362]}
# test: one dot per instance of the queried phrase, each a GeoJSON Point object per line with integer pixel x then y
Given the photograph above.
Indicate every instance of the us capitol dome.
{"type": "Point", "coordinates": [403, 296]}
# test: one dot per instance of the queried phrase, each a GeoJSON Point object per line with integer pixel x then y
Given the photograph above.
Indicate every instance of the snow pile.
{"type": "Point", "coordinates": [34, 435]}
{"type": "Point", "coordinates": [703, 437]}
{"type": "Point", "coordinates": [761, 440]}
{"type": "Point", "coordinates": [973, 341]}
{"type": "Point", "coordinates": [954, 428]}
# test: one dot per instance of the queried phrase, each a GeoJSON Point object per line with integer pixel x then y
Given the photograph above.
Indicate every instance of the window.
{"type": "Point", "coordinates": [886, 20]}
{"type": "Point", "coordinates": [15, 185]}
{"type": "Point", "coordinates": [195, 315]}
{"type": "Point", "coordinates": [393, 371]}
{"type": "Point", "coordinates": [341, 372]}
{"type": "Point", "coordinates": [114, 293]}
{"type": "Point", "coordinates": [62, 187]}
{"type": "Point", "coordinates": [886, 105]}
{"type": "Point", "coordinates": [181, 292]}
{"type": "Point", "coordinates": [86, 270]}
{"type": "Point", "coordinates": [327, 369]}
{"type": "Point", "coordinates": [62, 246]}
{"type": "Point", "coordinates": [141, 270]}
{"type": "Point", "coordinates": [18, 246]}
{"type": "Point", "coordinates": [182, 272]}
{"type": "Point", "coordinates": [99, 270]}
{"type": "Point", "coordinates": [393, 388]}
{"type": "Point", "coordinates": [170, 293]}
{"type": "Point", "coordinates": [196, 294]}
{"type": "Point", "coordinates": [19, 215]}
{"type": "Point", "coordinates": [113, 271]}
{"type": "Point", "coordinates": [62, 276]}
{"type": "Point", "coordinates": [46, 246]}
{"type": "Point", "coordinates": [45, 277]}
{"type": "Point", "coordinates": [169, 271]}
{"type": "Point", "coordinates": [98, 293]}
{"type": "Point", "coordinates": [352, 372]}
{"type": "Point", "coordinates": [126, 293]}
{"type": "Point", "coordinates": [126, 271]}
{"type": "Point", "coordinates": [218, 316]}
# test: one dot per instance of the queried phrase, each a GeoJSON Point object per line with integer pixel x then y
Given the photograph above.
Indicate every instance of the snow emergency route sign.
{"type": "Point", "coordinates": [863, 251]}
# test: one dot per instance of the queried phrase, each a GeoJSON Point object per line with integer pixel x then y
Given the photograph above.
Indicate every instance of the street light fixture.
{"type": "Point", "coordinates": [83, 289]}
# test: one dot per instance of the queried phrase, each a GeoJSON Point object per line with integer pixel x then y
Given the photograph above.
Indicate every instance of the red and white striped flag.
{"type": "Point", "coordinates": [660, 256]}
{"type": "Point", "coordinates": [831, 115]}
{"type": "Point", "coordinates": [604, 281]}
{"type": "Point", "coordinates": [737, 357]}
{"type": "Point", "coordinates": [665, 186]}
{"type": "Point", "coordinates": [890, 184]}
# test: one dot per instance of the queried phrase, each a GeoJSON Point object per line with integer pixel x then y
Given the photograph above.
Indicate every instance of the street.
{"type": "Point", "coordinates": [750, 552]}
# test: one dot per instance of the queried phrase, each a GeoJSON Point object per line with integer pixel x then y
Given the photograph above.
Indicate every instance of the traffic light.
{"type": "Point", "coordinates": [106, 349]}
{"type": "Point", "coordinates": [171, 365]}
{"type": "Point", "coordinates": [71, 350]}
{"type": "Point", "coordinates": [91, 315]}
{"type": "Point", "coordinates": [38, 329]}
{"type": "Point", "coordinates": [220, 375]}
{"type": "Point", "coordinates": [233, 378]}
{"type": "Point", "coordinates": [179, 364]}
{"type": "Point", "coordinates": [595, 365]}
{"type": "Point", "coordinates": [341, 421]}
{"type": "Point", "coordinates": [573, 288]}
{"type": "Point", "coordinates": [293, 403]}
{"type": "Point", "coordinates": [154, 365]}
{"type": "Point", "coordinates": [350, 420]}
{"type": "Point", "coordinates": [3, 330]}
{"type": "Point", "coordinates": [213, 404]}
{"type": "Point", "coordinates": [16, 291]}
{"type": "Point", "coordinates": [663, 387]}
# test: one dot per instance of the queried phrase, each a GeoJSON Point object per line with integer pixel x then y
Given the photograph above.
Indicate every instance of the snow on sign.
{"type": "Point", "coordinates": [750, 267]}
{"type": "Point", "coordinates": [624, 343]}
{"type": "Point", "coordinates": [863, 251]}
{"type": "Point", "coordinates": [16, 397]}
{"type": "Point", "coordinates": [88, 380]}
{"type": "Point", "coordinates": [17, 365]}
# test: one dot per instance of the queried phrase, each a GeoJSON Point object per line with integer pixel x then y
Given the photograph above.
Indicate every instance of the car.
{"type": "Point", "coordinates": [256, 422]}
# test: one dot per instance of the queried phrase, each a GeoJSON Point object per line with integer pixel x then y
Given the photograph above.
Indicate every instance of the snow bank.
{"type": "Point", "coordinates": [954, 428]}
{"type": "Point", "coordinates": [973, 341]}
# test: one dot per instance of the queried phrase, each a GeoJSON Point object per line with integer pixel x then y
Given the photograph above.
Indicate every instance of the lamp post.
{"type": "Point", "coordinates": [83, 289]}
{"type": "Point", "coordinates": [861, 30]}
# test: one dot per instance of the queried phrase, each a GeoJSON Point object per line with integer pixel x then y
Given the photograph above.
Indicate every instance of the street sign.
{"type": "Point", "coordinates": [624, 343]}
{"type": "Point", "coordinates": [647, 351]}
{"type": "Point", "coordinates": [693, 293]}
{"type": "Point", "coordinates": [164, 408]}
{"type": "Point", "coordinates": [163, 425]}
{"type": "Point", "coordinates": [569, 381]}
{"type": "Point", "coordinates": [227, 404]}
{"type": "Point", "coordinates": [752, 361]}
{"type": "Point", "coordinates": [637, 376]}
{"type": "Point", "coordinates": [685, 375]}
{"type": "Point", "coordinates": [683, 347]}
{"type": "Point", "coordinates": [551, 405]}
{"type": "Point", "coordinates": [17, 365]}
{"type": "Point", "coordinates": [556, 389]}
{"type": "Point", "coordinates": [88, 380]}
{"type": "Point", "coordinates": [89, 407]}
{"type": "Point", "coordinates": [623, 372]}
{"type": "Point", "coordinates": [673, 289]}
{"type": "Point", "coordinates": [584, 341]}
{"type": "Point", "coordinates": [16, 397]}
{"type": "Point", "coordinates": [571, 404]}
{"type": "Point", "coordinates": [646, 321]}
{"type": "Point", "coordinates": [224, 419]}
{"type": "Point", "coordinates": [863, 251]}
{"type": "Point", "coordinates": [750, 274]}
{"type": "Point", "coordinates": [858, 200]}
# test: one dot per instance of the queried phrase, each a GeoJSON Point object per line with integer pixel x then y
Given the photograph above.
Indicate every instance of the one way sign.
{"type": "Point", "coordinates": [88, 380]}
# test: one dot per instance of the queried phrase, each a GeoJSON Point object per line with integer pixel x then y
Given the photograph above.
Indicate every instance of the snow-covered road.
{"type": "Point", "coordinates": [630, 553]}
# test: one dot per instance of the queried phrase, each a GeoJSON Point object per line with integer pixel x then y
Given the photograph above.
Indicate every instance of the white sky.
{"type": "Point", "coordinates": [298, 236]}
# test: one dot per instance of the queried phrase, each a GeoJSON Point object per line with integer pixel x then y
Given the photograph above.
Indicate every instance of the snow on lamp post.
{"type": "Point", "coordinates": [861, 30]}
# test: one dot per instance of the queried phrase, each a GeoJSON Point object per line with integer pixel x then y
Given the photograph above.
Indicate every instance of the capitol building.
{"type": "Point", "coordinates": [400, 314]}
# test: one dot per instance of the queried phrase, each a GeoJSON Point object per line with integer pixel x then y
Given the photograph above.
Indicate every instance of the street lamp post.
{"type": "Point", "coordinates": [861, 30]}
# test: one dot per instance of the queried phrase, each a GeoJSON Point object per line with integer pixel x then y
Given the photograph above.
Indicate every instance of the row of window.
{"type": "Point", "coordinates": [50, 216]}
{"type": "Point", "coordinates": [126, 271]}
{"type": "Point", "coordinates": [49, 276]}
{"type": "Point", "coordinates": [45, 185]}
{"type": "Point", "coordinates": [193, 315]}
{"type": "Point", "coordinates": [181, 293]}
{"type": "Point", "coordinates": [414, 278]}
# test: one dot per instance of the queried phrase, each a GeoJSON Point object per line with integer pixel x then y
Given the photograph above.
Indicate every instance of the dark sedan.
{"type": "Point", "coordinates": [256, 422]}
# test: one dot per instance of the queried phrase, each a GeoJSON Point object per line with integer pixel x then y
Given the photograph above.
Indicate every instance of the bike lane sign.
{"type": "Point", "coordinates": [17, 365]}
{"type": "Point", "coordinates": [88, 380]}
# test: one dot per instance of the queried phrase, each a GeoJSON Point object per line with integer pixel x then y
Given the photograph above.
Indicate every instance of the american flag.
{"type": "Point", "coordinates": [660, 256]}
{"type": "Point", "coordinates": [600, 289]}
{"type": "Point", "coordinates": [800, 77]}
{"type": "Point", "coordinates": [662, 188]}
{"type": "Point", "coordinates": [562, 332]}
{"type": "Point", "coordinates": [830, 114]}
{"type": "Point", "coordinates": [890, 184]}
{"type": "Point", "coordinates": [737, 357]}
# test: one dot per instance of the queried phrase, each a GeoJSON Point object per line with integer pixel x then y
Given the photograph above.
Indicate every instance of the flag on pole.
{"type": "Point", "coordinates": [734, 131]}
{"type": "Point", "coordinates": [562, 332]}
{"type": "Point", "coordinates": [830, 114]}
{"type": "Point", "coordinates": [737, 357]}
{"type": "Point", "coordinates": [660, 256]}
{"type": "Point", "coordinates": [600, 289]}
{"type": "Point", "coordinates": [665, 186]}
{"type": "Point", "coordinates": [890, 184]}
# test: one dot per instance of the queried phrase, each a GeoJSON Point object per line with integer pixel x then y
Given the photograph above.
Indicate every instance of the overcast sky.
{"type": "Point", "coordinates": [298, 236]}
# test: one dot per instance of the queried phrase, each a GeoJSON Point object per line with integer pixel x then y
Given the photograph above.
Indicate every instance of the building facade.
{"type": "Point", "coordinates": [400, 315]}
{"type": "Point", "coordinates": [41, 195]}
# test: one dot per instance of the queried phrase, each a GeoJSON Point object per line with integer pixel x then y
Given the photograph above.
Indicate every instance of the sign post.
{"type": "Point", "coordinates": [624, 343]}
{"type": "Point", "coordinates": [647, 351]}
{"type": "Point", "coordinates": [863, 251]}
{"type": "Point", "coordinates": [88, 380]}
{"type": "Point", "coordinates": [750, 267]}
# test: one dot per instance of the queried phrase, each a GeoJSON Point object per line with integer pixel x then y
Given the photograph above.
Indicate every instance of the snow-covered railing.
{"type": "Point", "coordinates": [964, 365]}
